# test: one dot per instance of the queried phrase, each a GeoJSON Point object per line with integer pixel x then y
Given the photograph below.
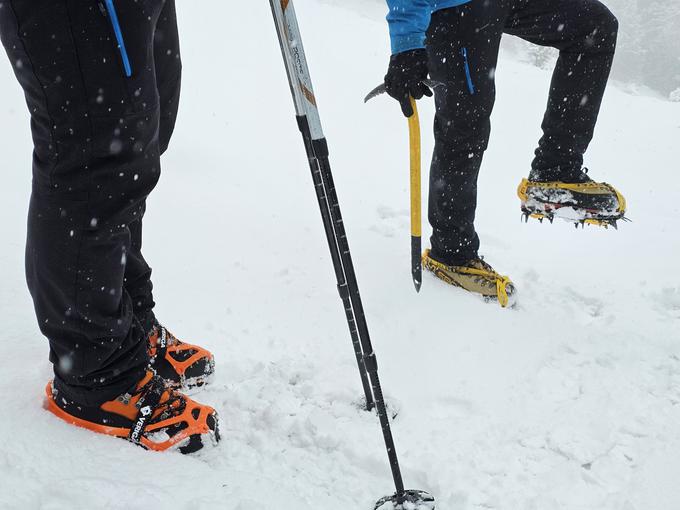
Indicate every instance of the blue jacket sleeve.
{"type": "Point", "coordinates": [408, 21]}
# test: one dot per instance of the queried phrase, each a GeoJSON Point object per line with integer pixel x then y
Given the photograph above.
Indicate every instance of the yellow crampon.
{"type": "Point", "coordinates": [448, 274]}
{"type": "Point", "coordinates": [585, 188]}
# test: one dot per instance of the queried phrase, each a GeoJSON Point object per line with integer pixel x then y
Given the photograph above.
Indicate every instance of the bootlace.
{"type": "Point", "coordinates": [171, 402]}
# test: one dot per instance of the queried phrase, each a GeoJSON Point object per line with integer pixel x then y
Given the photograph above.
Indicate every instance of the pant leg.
{"type": "Point", "coordinates": [168, 67]}
{"type": "Point", "coordinates": [585, 32]}
{"type": "Point", "coordinates": [96, 158]}
{"type": "Point", "coordinates": [470, 32]}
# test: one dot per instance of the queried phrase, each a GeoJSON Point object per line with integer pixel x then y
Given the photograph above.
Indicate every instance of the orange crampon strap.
{"type": "Point", "coordinates": [164, 344]}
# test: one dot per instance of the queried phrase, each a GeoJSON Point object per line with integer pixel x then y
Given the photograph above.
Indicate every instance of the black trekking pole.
{"type": "Point", "coordinates": [309, 123]}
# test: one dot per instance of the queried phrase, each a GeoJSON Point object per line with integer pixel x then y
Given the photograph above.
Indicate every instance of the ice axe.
{"type": "Point", "coordinates": [415, 165]}
{"type": "Point", "coordinates": [316, 147]}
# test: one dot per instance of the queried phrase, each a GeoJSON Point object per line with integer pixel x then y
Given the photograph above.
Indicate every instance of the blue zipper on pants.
{"type": "Point", "coordinates": [468, 74]}
{"type": "Point", "coordinates": [111, 9]}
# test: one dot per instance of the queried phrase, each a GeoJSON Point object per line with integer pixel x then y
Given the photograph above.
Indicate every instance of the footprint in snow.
{"type": "Point", "coordinates": [667, 302]}
{"type": "Point", "coordinates": [392, 222]}
{"type": "Point", "coordinates": [590, 305]}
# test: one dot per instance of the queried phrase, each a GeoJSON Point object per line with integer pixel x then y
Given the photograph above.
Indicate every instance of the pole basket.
{"type": "Point", "coordinates": [408, 500]}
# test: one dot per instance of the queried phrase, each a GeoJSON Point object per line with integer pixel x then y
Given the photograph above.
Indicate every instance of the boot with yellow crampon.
{"type": "Point", "coordinates": [184, 366]}
{"type": "Point", "coordinates": [475, 276]}
{"type": "Point", "coordinates": [151, 415]}
{"type": "Point", "coordinates": [580, 201]}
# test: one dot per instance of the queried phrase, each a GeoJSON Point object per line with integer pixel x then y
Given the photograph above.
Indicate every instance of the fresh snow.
{"type": "Point", "coordinates": [569, 402]}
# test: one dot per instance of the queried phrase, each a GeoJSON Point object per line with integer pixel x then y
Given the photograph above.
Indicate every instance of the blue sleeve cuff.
{"type": "Point", "coordinates": [401, 43]}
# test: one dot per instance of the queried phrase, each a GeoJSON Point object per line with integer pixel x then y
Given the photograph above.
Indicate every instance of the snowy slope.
{"type": "Point", "coordinates": [569, 402]}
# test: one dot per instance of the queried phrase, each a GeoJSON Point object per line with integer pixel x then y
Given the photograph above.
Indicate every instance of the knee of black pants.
{"type": "Point", "coordinates": [112, 163]}
{"type": "Point", "coordinates": [467, 139]}
{"type": "Point", "coordinates": [600, 27]}
{"type": "Point", "coordinates": [611, 27]}
{"type": "Point", "coordinates": [461, 138]}
{"type": "Point", "coordinates": [604, 35]}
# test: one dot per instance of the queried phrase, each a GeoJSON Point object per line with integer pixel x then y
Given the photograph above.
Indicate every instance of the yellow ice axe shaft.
{"type": "Point", "coordinates": [416, 208]}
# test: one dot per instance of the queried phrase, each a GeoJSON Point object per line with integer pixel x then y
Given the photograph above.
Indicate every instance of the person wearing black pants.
{"type": "Point", "coordinates": [102, 84]}
{"type": "Point", "coordinates": [462, 41]}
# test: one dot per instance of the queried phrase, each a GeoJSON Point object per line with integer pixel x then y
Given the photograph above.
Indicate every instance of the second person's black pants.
{"type": "Point", "coordinates": [463, 44]}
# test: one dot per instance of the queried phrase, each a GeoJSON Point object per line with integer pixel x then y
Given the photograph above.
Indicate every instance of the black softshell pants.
{"type": "Point", "coordinates": [463, 44]}
{"type": "Point", "coordinates": [98, 136]}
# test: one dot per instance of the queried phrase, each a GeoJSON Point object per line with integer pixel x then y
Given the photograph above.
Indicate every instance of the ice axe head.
{"type": "Point", "coordinates": [407, 500]}
{"type": "Point", "coordinates": [381, 89]}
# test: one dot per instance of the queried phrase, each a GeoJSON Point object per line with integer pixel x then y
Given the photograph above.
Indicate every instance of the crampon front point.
{"type": "Point", "coordinates": [587, 203]}
{"type": "Point", "coordinates": [407, 500]}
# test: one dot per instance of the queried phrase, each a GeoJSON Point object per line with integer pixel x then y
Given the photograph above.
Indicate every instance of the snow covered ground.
{"type": "Point", "coordinates": [570, 402]}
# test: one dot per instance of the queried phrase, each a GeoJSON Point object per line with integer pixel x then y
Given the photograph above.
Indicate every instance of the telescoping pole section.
{"type": "Point", "coordinates": [317, 152]}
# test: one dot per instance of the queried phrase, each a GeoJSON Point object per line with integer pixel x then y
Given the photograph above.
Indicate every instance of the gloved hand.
{"type": "Point", "coordinates": [405, 76]}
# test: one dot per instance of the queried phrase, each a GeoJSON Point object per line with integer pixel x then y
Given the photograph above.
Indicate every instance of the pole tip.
{"type": "Point", "coordinates": [417, 284]}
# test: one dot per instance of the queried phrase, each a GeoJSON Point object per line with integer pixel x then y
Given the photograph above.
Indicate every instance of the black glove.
{"type": "Point", "coordinates": [405, 77]}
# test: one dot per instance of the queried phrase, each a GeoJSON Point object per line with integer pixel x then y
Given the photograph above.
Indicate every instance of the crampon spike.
{"type": "Point", "coordinates": [550, 216]}
{"type": "Point", "coordinates": [407, 500]}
